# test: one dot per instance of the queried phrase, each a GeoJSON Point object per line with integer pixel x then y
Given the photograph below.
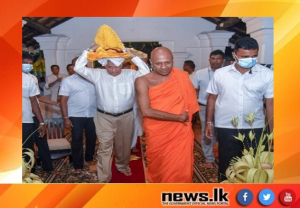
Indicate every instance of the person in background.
{"type": "Point", "coordinates": [200, 81]}
{"type": "Point", "coordinates": [53, 82]}
{"type": "Point", "coordinates": [189, 67]}
{"type": "Point", "coordinates": [78, 108]}
{"type": "Point", "coordinates": [70, 69]}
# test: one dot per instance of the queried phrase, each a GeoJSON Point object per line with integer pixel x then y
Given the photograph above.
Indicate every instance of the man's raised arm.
{"type": "Point", "coordinates": [80, 65]}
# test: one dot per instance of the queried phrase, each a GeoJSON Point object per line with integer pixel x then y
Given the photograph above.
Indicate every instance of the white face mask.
{"type": "Point", "coordinates": [26, 68]}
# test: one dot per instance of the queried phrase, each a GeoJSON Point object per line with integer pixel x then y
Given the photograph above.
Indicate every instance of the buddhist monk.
{"type": "Point", "coordinates": [167, 101]}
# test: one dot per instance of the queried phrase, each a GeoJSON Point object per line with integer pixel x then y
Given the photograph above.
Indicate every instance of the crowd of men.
{"type": "Point", "coordinates": [104, 104]}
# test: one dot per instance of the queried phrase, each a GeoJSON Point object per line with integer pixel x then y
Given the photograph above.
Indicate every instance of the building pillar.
{"type": "Point", "coordinates": [179, 58]}
{"type": "Point", "coordinates": [261, 29]}
{"type": "Point", "coordinates": [219, 39]}
{"type": "Point", "coordinates": [54, 47]}
{"type": "Point", "coordinates": [201, 61]}
{"type": "Point", "coordinates": [210, 41]}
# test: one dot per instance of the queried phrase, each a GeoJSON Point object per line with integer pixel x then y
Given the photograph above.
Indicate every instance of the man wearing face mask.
{"type": "Point", "coordinates": [41, 143]}
{"type": "Point", "coordinates": [29, 106]}
{"type": "Point", "coordinates": [238, 90]}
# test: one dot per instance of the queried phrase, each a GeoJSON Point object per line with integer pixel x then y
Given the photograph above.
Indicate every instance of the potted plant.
{"type": "Point", "coordinates": [256, 164]}
{"type": "Point", "coordinates": [27, 176]}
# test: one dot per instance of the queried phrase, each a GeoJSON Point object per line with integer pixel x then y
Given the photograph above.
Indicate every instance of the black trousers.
{"type": "Point", "coordinates": [43, 148]}
{"type": "Point", "coordinates": [80, 124]}
{"type": "Point", "coordinates": [27, 129]}
{"type": "Point", "coordinates": [230, 147]}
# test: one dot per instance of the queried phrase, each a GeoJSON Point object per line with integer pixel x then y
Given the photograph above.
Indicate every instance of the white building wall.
{"type": "Point", "coordinates": [176, 33]}
{"type": "Point", "coordinates": [187, 37]}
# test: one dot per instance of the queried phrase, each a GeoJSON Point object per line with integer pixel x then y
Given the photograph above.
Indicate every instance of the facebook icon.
{"type": "Point", "coordinates": [245, 197]}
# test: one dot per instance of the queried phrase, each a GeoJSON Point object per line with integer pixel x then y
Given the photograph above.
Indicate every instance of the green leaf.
{"type": "Point", "coordinates": [251, 135]}
{"type": "Point", "coordinates": [235, 121]}
{"type": "Point", "coordinates": [240, 137]}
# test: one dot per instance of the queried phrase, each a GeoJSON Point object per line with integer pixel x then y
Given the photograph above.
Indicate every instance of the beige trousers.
{"type": "Point", "coordinates": [114, 132]}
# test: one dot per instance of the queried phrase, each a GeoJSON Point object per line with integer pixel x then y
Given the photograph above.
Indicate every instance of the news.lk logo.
{"type": "Point", "coordinates": [287, 197]}
{"type": "Point", "coordinates": [245, 197]}
{"type": "Point", "coordinates": [219, 198]}
{"type": "Point", "coordinates": [266, 197]}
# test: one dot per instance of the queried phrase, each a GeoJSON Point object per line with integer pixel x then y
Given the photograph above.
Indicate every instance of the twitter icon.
{"type": "Point", "coordinates": [266, 197]}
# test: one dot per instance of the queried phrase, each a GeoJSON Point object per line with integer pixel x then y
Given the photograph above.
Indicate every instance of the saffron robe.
{"type": "Point", "coordinates": [170, 144]}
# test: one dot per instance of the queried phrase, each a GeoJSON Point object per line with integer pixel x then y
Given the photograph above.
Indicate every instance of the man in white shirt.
{"type": "Point", "coordinates": [29, 106]}
{"type": "Point", "coordinates": [200, 81]}
{"type": "Point", "coordinates": [189, 67]}
{"type": "Point", "coordinates": [53, 82]}
{"type": "Point", "coordinates": [78, 108]}
{"type": "Point", "coordinates": [70, 69]}
{"type": "Point", "coordinates": [41, 143]}
{"type": "Point", "coordinates": [239, 90]}
{"type": "Point", "coordinates": [115, 98]}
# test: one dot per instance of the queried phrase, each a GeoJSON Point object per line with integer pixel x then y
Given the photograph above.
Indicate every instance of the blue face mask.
{"type": "Point", "coordinates": [246, 62]}
{"type": "Point", "coordinates": [26, 68]}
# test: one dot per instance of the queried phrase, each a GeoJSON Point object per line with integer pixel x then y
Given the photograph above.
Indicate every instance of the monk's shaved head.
{"type": "Point", "coordinates": [161, 50]}
{"type": "Point", "coordinates": [162, 61]}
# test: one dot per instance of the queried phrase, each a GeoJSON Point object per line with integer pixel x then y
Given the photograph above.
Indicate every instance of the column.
{"type": "Point", "coordinates": [203, 52]}
{"type": "Point", "coordinates": [261, 29]}
{"type": "Point", "coordinates": [48, 43]}
{"type": "Point", "coordinates": [210, 41]}
{"type": "Point", "coordinates": [62, 62]}
{"type": "Point", "coordinates": [179, 58]}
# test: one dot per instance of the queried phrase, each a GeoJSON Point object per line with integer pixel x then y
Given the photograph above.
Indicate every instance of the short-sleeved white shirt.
{"type": "Point", "coordinates": [29, 89]}
{"type": "Point", "coordinates": [240, 94]}
{"type": "Point", "coordinates": [54, 89]}
{"type": "Point", "coordinates": [37, 85]}
{"type": "Point", "coordinates": [201, 79]}
{"type": "Point", "coordinates": [82, 96]}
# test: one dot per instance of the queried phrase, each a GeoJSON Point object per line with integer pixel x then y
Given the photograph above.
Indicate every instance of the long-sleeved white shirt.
{"type": "Point", "coordinates": [82, 96]}
{"type": "Point", "coordinates": [114, 94]}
